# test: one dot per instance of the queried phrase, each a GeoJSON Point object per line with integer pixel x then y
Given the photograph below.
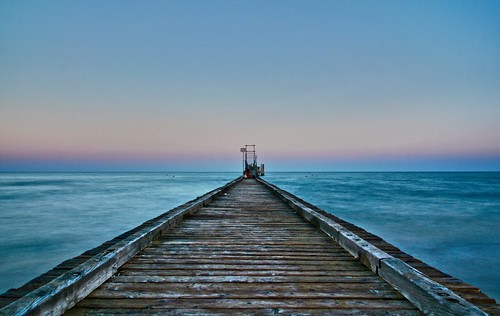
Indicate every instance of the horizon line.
{"type": "Point", "coordinates": [232, 171]}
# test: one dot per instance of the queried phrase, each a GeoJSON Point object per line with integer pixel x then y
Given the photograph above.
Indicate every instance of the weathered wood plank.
{"type": "Point", "coordinates": [330, 268]}
{"type": "Point", "coordinates": [243, 256]}
{"type": "Point", "coordinates": [352, 278]}
{"type": "Point", "coordinates": [426, 294]}
{"type": "Point", "coordinates": [246, 290]}
{"type": "Point", "coordinates": [250, 261]}
{"type": "Point", "coordinates": [236, 251]}
{"type": "Point", "coordinates": [244, 311]}
{"type": "Point", "coordinates": [221, 303]}
{"type": "Point", "coordinates": [255, 241]}
{"type": "Point", "coordinates": [348, 271]}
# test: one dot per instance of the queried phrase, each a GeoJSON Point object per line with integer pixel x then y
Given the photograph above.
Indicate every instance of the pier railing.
{"type": "Point", "coordinates": [429, 296]}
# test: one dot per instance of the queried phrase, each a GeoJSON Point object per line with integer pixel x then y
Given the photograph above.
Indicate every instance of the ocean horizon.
{"type": "Point", "coordinates": [449, 220]}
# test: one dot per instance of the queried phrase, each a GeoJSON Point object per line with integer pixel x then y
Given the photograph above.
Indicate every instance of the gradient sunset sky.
{"type": "Point", "coordinates": [316, 85]}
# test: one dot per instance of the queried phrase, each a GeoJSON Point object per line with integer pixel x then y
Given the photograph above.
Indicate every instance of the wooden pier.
{"type": "Point", "coordinates": [246, 248]}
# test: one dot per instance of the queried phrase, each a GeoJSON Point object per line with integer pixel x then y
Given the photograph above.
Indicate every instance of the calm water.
{"type": "Point", "coordinates": [449, 220]}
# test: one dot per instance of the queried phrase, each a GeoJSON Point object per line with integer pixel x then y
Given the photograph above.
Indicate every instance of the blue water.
{"type": "Point", "coordinates": [449, 220]}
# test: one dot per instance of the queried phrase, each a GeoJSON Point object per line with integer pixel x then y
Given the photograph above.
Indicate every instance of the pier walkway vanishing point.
{"type": "Point", "coordinates": [246, 248]}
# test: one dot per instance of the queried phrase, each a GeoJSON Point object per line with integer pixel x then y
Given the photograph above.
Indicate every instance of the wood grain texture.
{"type": "Point", "coordinates": [246, 252]}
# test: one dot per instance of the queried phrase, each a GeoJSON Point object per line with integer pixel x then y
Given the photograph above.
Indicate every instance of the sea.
{"type": "Point", "coordinates": [450, 220]}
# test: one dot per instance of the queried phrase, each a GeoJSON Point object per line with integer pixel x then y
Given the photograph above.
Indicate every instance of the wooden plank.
{"type": "Point", "coordinates": [332, 268]}
{"type": "Point", "coordinates": [244, 291]}
{"type": "Point", "coordinates": [223, 303]}
{"type": "Point", "coordinates": [427, 295]}
{"type": "Point", "coordinates": [252, 261]}
{"type": "Point", "coordinates": [244, 279]}
{"type": "Point", "coordinates": [237, 251]}
{"type": "Point", "coordinates": [348, 271]}
{"type": "Point", "coordinates": [245, 311]}
{"type": "Point", "coordinates": [225, 256]}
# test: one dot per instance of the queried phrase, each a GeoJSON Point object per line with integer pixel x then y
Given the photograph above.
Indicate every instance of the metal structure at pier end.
{"type": "Point", "coordinates": [248, 247]}
{"type": "Point", "coordinates": [251, 169]}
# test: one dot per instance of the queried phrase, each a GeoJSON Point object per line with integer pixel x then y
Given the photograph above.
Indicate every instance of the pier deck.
{"type": "Point", "coordinates": [245, 252]}
{"type": "Point", "coordinates": [250, 251]}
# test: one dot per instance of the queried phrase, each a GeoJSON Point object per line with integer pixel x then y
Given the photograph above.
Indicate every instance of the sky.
{"type": "Point", "coordinates": [315, 85]}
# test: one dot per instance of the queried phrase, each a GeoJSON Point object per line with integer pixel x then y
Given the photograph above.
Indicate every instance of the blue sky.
{"type": "Point", "coordinates": [316, 85]}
